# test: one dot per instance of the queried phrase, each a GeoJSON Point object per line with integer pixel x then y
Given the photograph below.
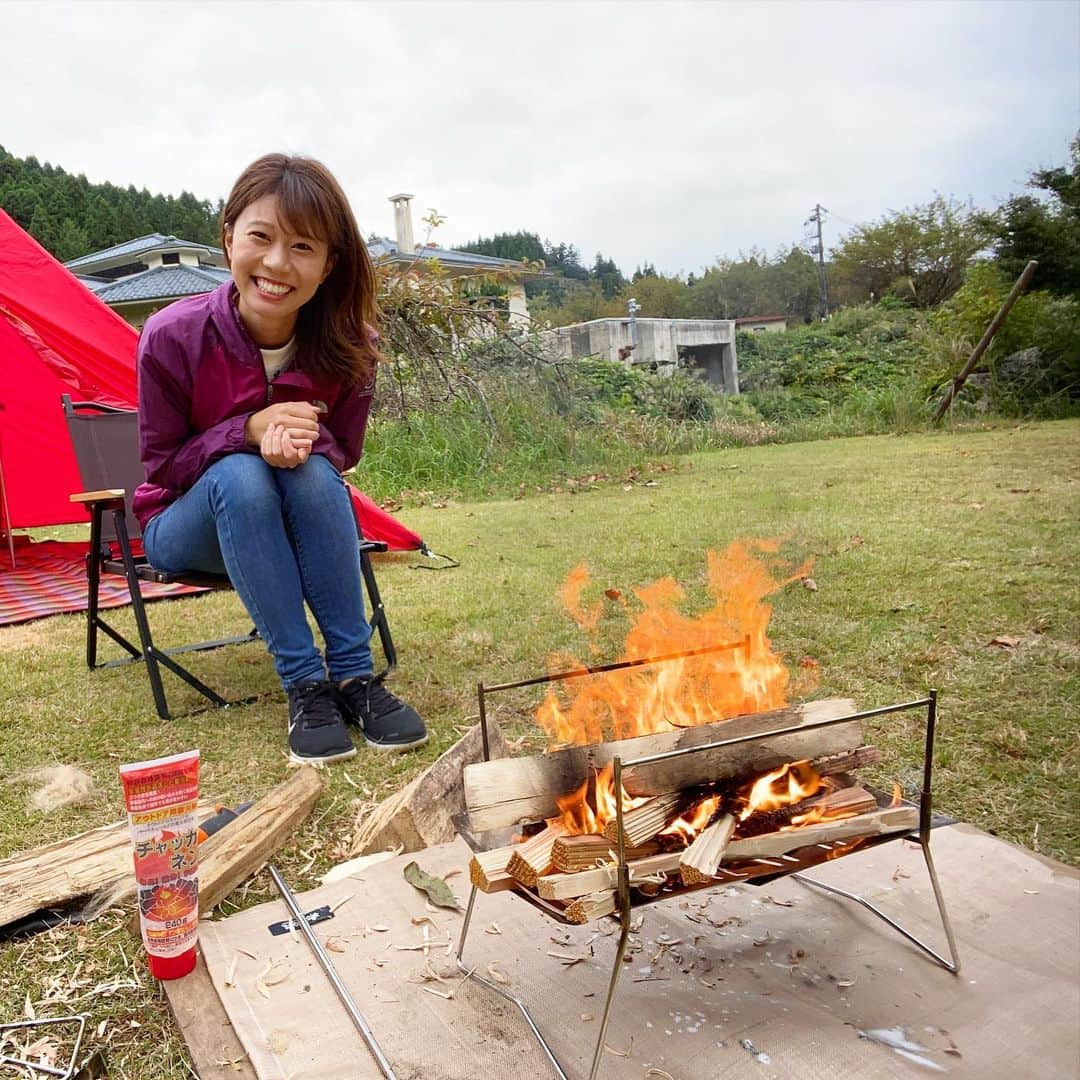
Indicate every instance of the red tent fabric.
{"type": "Point", "coordinates": [57, 337]}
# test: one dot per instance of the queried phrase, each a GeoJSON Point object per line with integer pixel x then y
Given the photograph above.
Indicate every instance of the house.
{"type": "Point", "coordinates": [140, 276]}
{"type": "Point", "coordinates": [761, 324]}
{"type": "Point", "coordinates": [705, 346]}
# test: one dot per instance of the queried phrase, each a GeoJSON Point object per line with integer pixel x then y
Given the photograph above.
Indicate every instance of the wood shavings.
{"type": "Point", "coordinates": [270, 976]}
{"type": "Point", "coordinates": [567, 961]}
{"type": "Point", "coordinates": [492, 929]}
{"type": "Point", "coordinates": [497, 976]}
{"type": "Point", "coordinates": [586, 1017]}
{"type": "Point", "coordinates": [660, 1074]}
{"type": "Point", "coordinates": [621, 1053]}
{"type": "Point", "coordinates": [899, 873]}
{"type": "Point", "coordinates": [342, 902]}
{"type": "Point", "coordinates": [334, 944]}
{"type": "Point", "coordinates": [779, 903]}
{"type": "Point", "coordinates": [230, 975]}
{"type": "Point", "coordinates": [58, 785]}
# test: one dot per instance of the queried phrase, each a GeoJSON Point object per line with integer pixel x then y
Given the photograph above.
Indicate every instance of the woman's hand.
{"type": "Point", "coordinates": [299, 418]}
{"type": "Point", "coordinates": [280, 449]}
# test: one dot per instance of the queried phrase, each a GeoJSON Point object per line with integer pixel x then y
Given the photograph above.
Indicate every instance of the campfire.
{"type": "Point", "coordinates": [676, 818]}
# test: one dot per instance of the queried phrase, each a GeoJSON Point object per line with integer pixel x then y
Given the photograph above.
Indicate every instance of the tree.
{"type": "Point", "coordinates": [918, 254]}
{"type": "Point", "coordinates": [1028, 227]}
{"type": "Point", "coordinates": [609, 275]}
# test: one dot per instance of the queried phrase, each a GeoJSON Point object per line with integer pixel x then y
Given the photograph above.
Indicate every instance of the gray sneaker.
{"type": "Point", "coordinates": [317, 729]}
{"type": "Point", "coordinates": [387, 722]}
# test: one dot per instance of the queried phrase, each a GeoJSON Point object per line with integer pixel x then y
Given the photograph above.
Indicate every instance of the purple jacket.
{"type": "Point", "coordinates": [200, 378]}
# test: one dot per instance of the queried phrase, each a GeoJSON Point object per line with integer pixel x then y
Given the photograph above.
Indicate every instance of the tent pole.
{"type": "Point", "coordinates": [5, 516]}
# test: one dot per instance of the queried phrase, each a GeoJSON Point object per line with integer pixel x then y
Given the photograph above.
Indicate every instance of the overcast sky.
{"type": "Point", "coordinates": [660, 131]}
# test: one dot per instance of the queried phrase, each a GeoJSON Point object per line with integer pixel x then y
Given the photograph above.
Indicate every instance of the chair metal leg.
{"type": "Point", "coordinates": [378, 620]}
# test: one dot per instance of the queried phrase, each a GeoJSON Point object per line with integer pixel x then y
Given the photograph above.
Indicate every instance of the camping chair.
{"type": "Point", "coordinates": [105, 440]}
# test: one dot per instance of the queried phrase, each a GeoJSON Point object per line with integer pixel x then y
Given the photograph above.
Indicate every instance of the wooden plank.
{"type": "Point", "coordinates": [514, 790]}
{"type": "Point", "coordinates": [216, 1052]}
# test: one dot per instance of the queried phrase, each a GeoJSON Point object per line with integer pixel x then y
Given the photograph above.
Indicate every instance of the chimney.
{"type": "Point", "coordinates": [403, 223]}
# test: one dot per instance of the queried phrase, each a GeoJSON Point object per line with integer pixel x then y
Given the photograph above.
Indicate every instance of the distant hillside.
{"type": "Point", "coordinates": [69, 216]}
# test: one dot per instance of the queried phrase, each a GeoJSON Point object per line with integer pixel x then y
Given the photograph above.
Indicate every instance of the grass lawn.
{"type": "Point", "coordinates": [926, 548]}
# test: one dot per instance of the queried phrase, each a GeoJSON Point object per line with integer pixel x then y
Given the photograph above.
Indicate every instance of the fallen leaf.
{"type": "Point", "coordinates": [438, 892]}
{"type": "Point", "coordinates": [334, 944]}
{"type": "Point", "coordinates": [809, 583]}
{"type": "Point", "coordinates": [1005, 641]}
{"type": "Point", "coordinates": [612, 594]}
{"type": "Point", "coordinates": [809, 662]}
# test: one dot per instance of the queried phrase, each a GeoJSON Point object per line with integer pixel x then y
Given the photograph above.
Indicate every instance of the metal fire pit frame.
{"type": "Point", "coordinates": [775, 867]}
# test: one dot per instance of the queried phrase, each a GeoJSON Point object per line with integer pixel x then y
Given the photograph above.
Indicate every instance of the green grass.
{"type": "Point", "coordinates": [926, 548]}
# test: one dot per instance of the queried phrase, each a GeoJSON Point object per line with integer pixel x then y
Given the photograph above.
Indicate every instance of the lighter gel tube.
{"type": "Point", "coordinates": [162, 801]}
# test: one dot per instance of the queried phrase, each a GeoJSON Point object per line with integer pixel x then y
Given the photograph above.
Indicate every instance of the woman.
{"type": "Point", "coordinates": [253, 399]}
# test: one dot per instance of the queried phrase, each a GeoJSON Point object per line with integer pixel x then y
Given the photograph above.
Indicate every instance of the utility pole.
{"type": "Point", "coordinates": [819, 250]}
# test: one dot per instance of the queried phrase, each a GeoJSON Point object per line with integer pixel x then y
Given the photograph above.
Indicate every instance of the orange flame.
{"type": "Point", "coordinates": [789, 784]}
{"type": "Point", "coordinates": [689, 691]}
{"type": "Point", "coordinates": [688, 826]}
{"type": "Point", "coordinates": [582, 814]}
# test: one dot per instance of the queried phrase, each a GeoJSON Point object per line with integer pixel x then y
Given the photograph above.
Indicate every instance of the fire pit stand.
{"type": "Point", "coordinates": [767, 870]}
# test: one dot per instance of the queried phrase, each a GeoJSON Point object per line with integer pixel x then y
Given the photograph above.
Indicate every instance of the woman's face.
{"type": "Point", "coordinates": [276, 270]}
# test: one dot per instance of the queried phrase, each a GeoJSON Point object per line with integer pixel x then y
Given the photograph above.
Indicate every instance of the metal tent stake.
{"type": "Point", "coordinates": [325, 963]}
{"type": "Point", "coordinates": [623, 870]}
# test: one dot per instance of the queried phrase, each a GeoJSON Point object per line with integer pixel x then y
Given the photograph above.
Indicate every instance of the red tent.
{"type": "Point", "coordinates": [56, 337]}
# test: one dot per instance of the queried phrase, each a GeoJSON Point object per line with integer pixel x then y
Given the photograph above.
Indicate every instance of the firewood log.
{"type": "Point", "coordinates": [567, 886]}
{"type": "Point", "coordinates": [699, 861]}
{"type": "Point", "coordinates": [531, 859]}
{"type": "Point", "coordinates": [846, 760]}
{"type": "Point", "coordinates": [573, 853]}
{"type": "Point", "coordinates": [846, 801]}
{"type": "Point", "coordinates": [514, 790]}
{"type": "Point", "coordinates": [487, 870]}
{"type": "Point", "coordinates": [645, 821]}
{"type": "Point", "coordinates": [893, 819]}
{"type": "Point", "coordinates": [593, 906]}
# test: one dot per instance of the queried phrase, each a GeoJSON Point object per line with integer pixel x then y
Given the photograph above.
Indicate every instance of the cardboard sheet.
{"type": "Point", "coordinates": [770, 981]}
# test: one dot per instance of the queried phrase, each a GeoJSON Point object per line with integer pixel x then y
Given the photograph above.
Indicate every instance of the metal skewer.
{"type": "Point", "coordinates": [331, 973]}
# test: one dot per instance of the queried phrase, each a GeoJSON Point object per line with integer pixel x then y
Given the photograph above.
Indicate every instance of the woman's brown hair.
{"type": "Point", "coordinates": [336, 328]}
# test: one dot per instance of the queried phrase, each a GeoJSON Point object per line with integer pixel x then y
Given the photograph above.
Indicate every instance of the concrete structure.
{"type": "Point", "coordinates": [761, 324]}
{"type": "Point", "coordinates": [140, 276]}
{"type": "Point", "coordinates": [705, 346]}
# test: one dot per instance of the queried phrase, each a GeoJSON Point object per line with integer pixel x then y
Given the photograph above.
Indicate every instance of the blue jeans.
{"type": "Point", "coordinates": [283, 536]}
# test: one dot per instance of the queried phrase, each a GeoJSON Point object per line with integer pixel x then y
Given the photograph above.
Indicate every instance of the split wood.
{"type": "Point", "coordinates": [594, 906]}
{"type": "Point", "coordinates": [645, 821]}
{"type": "Point", "coordinates": [533, 858]}
{"type": "Point", "coordinates": [573, 853]}
{"type": "Point", "coordinates": [65, 870]}
{"type": "Point", "coordinates": [699, 861]}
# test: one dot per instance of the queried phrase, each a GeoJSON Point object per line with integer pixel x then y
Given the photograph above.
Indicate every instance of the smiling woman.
{"type": "Point", "coordinates": [253, 400]}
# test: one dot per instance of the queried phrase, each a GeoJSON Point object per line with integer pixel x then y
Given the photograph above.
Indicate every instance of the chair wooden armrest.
{"type": "Point", "coordinates": [104, 496]}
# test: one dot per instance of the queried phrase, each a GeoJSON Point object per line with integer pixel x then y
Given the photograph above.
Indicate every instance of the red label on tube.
{"type": "Point", "coordinates": [162, 802]}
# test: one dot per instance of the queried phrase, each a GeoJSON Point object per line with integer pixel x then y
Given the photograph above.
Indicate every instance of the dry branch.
{"type": "Point", "coordinates": [699, 861]}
